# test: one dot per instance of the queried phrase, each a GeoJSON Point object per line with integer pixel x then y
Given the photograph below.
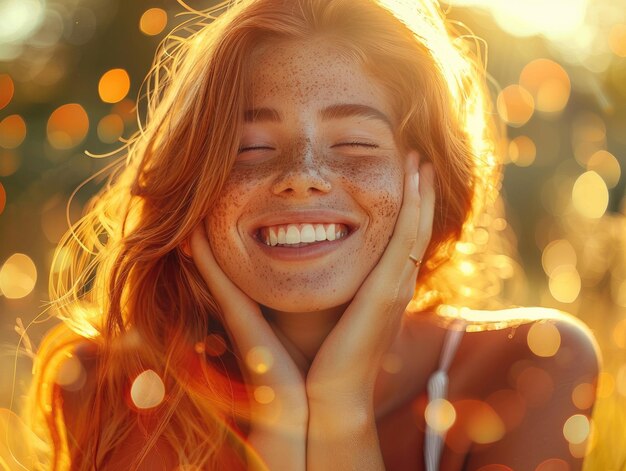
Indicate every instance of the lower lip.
{"type": "Point", "coordinates": [306, 252]}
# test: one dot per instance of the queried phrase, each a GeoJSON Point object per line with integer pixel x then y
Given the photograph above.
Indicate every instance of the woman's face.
{"type": "Point", "coordinates": [317, 149]}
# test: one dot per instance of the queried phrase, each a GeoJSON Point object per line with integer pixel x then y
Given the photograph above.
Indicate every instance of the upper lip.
{"type": "Point", "coordinates": [321, 216]}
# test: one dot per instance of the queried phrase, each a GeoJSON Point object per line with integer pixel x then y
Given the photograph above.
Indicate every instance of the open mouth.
{"type": "Point", "coordinates": [301, 235]}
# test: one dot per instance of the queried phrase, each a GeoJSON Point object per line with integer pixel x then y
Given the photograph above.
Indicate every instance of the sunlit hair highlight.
{"type": "Point", "coordinates": [130, 294]}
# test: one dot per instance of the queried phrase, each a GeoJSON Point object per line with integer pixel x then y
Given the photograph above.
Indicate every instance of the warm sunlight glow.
{"type": "Point", "coordinates": [606, 385]}
{"type": "Point", "coordinates": [18, 276]}
{"type": "Point", "coordinates": [148, 390]}
{"type": "Point", "coordinates": [555, 19]}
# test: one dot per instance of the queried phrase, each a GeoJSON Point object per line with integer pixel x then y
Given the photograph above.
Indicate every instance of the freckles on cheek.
{"type": "Point", "coordinates": [379, 186]}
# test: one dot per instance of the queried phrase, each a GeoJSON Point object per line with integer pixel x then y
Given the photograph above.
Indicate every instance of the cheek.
{"type": "Point", "coordinates": [377, 185]}
{"type": "Point", "coordinates": [221, 223]}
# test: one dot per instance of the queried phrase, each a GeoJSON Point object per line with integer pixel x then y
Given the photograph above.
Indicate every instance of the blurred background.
{"type": "Point", "coordinates": [71, 70]}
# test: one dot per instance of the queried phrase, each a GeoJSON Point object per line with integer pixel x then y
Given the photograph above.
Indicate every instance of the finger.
{"type": "Point", "coordinates": [427, 210]}
{"type": "Point", "coordinates": [395, 262]}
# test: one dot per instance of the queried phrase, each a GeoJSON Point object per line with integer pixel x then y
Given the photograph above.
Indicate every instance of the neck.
{"type": "Point", "coordinates": [302, 333]}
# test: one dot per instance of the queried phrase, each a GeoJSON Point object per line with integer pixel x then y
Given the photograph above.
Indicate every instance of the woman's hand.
{"type": "Point", "coordinates": [277, 428]}
{"type": "Point", "coordinates": [340, 382]}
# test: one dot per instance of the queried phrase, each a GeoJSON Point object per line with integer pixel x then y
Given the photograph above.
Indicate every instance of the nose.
{"type": "Point", "coordinates": [302, 174]}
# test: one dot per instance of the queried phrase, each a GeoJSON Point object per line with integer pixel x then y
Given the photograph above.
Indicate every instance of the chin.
{"type": "Point", "coordinates": [310, 302]}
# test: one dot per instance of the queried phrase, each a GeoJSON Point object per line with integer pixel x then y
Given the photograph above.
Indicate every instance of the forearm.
{"type": "Point", "coordinates": [343, 438]}
{"type": "Point", "coordinates": [277, 450]}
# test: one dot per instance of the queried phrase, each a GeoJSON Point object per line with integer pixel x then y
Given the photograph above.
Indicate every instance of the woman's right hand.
{"type": "Point", "coordinates": [277, 428]}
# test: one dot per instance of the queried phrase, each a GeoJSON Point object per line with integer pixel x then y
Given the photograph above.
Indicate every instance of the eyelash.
{"type": "Point", "coordinates": [351, 144]}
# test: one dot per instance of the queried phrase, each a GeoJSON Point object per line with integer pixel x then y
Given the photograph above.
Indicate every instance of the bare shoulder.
{"type": "Point", "coordinates": [548, 361]}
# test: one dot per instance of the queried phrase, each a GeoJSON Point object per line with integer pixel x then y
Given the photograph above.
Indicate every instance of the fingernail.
{"type": "Point", "coordinates": [416, 179]}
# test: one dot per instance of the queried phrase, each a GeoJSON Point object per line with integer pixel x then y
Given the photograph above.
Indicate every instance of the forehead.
{"type": "Point", "coordinates": [313, 72]}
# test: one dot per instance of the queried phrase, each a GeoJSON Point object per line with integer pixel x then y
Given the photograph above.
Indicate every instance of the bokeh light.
{"type": "Point", "coordinates": [515, 105]}
{"type": "Point", "coordinates": [114, 86]}
{"type": "Point", "coordinates": [617, 40]}
{"type": "Point", "coordinates": [7, 88]}
{"type": "Point", "coordinates": [535, 385]}
{"type": "Point", "coordinates": [440, 415]}
{"type": "Point", "coordinates": [583, 395]}
{"type": "Point", "coordinates": [259, 359]}
{"type": "Point", "coordinates": [9, 162]}
{"type": "Point", "coordinates": [590, 195]}
{"type": "Point", "coordinates": [67, 126]}
{"type": "Point", "coordinates": [110, 128]}
{"type": "Point", "coordinates": [12, 131]}
{"type": "Point", "coordinates": [153, 21]}
{"type": "Point", "coordinates": [71, 374]}
{"type": "Point", "coordinates": [607, 166]}
{"type": "Point", "coordinates": [565, 284]}
{"type": "Point", "coordinates": [553, 464]}
{"type": "Point", "coordinates": [556, 254]}
{"type": "Point", "coordinates": [264, 394]}
{"type": "Point", "coordinates": [606, 385]}
{"type": "Point", "coordinates": [509, 405]}
{"type": "Point", "coordinates": [548, 83]}
{"type": "Point", "coordinates": [522, 151]}
{"type": "Point", "coordinates": [147, 390]}
{"type": "Point", "coordinates": [18, 276]}
{"type": "Point", "coordinates": [544, 339]}
{"type": "Point", "coordinates": [576, 429]}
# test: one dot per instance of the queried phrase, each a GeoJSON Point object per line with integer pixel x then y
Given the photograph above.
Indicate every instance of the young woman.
{"type": "Point", "coordinates": [237, 295]}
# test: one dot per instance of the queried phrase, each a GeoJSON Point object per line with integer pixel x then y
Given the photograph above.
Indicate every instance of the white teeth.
{"type": "Point", "coordinates": [293, 234]}
{"type": "Point", "coordinates": [330, 232]}
{"type": "Point", "coordinates": [273, 236]}
{"type": "Point", "coordinates": [307, 233]}
{"type": "Point", "coordinates": [320, 233]}
{"type": "Point", "coordinates": [282, 236]}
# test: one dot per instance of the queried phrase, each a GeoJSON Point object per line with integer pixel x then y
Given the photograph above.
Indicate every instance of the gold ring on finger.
{"type": "Point", "coordinates": [418, 262]}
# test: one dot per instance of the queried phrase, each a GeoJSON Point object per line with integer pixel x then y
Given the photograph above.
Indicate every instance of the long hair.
{"type": "Point", "coordinates": [127, 286]}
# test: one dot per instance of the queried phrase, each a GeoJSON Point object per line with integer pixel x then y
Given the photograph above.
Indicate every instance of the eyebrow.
{"type": "Point", "coordinates": [338, 111]}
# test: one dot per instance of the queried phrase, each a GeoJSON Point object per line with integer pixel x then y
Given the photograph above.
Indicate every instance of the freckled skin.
{"type": "Point", "coordinates": [306, 169]}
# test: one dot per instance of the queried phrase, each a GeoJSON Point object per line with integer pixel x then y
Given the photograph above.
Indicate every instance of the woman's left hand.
{"type": "Point", "coordinates": [343, 373]}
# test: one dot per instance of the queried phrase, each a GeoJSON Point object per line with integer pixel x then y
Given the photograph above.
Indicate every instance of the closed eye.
{"type": "Point", "coordinates": [247, 149]}
{"type": "Point", "coordinates": [357, 144]}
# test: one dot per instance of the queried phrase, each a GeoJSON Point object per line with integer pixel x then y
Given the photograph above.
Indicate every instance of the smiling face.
{"type": "Point", "coordinates": [317, 148]}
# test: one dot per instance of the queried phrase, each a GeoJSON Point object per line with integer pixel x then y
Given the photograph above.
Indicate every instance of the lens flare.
{"type": "Point", "coordinates": [440, 415]}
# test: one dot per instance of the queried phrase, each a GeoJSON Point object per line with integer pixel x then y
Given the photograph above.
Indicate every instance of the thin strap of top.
{"type": "Point", "coordinates": [437, 388]}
